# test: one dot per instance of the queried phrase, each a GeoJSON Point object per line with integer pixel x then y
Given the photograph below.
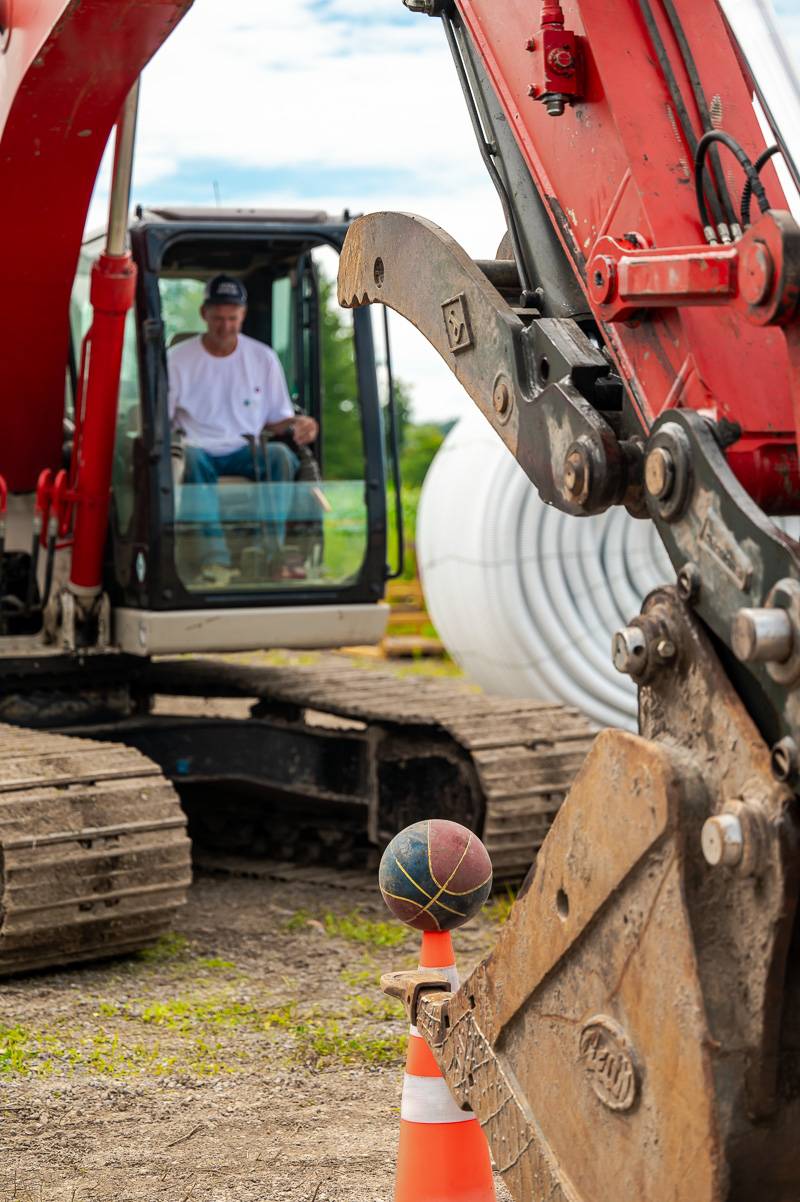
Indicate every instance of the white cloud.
{"type": "Point", "coordinates": [321, 93]}
{"type": "Point", "coordinates": [348, 104]}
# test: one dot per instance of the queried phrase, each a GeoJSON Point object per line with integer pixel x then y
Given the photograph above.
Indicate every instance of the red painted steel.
{"type": "Point", "coordinates": [557, 60]}
{"type": "Point", "coordinates": [750, 274]}
{"type": "Point", "coordinates": [112, 291]}
{"type": "Point", "coordinates": [63, 77]}
{"type": "Point", "coordinates": [616, 164]}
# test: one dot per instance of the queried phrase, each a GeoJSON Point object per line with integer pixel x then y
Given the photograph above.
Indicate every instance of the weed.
{"type": "Point", "coordinates": [356, 977]}
{"type": "Point", "coordinates": [182, 1014]}
{"type": "Point", "coordinates": [166, 948]}
{"type": "Point", "coordinates": [282, 1016]}
{"type": "Point", "coordinates": [320, 1041]}
{"type": "Point", "coordinates": [14, 1049]}
{"type": "Point", "coordinates": [358, 929]}
{"type": "Point", "coordinates": [213, 962]}
{"type": "Point", "coordinates": [298, 921]}
{"type": "Point", "coordinates": [353, 926]}
{"type": "Point", "coordinates": [501, 905]}
{"type": "Point", "coordinates": [380, 1008]}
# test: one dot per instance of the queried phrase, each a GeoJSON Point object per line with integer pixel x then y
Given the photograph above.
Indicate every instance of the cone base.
{"type": "Point", "coordinates": [443, 1162]}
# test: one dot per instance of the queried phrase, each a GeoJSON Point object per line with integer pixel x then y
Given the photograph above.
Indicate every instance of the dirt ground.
{"type": "Point", "coordinates": [249, 1056]}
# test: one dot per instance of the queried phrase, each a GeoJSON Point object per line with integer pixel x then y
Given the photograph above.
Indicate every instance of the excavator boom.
{"type": "Point", "coordinates": [67, 68]}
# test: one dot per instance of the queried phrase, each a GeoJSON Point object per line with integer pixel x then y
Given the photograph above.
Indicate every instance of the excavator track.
{"type": "Point", "coordinates": [429, 746]}
{"type": "Point", "coordinates": [94, 854]}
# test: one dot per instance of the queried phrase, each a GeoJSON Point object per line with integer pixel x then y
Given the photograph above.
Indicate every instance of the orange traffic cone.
{"type": "Point", "coordinates": [443, 1154]}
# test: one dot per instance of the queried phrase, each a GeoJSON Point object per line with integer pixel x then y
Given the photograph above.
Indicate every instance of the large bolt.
{"type": "Point", "coordinates": [659, 473]}
{"type": "Point", "coordinates": [577, 475]}
{"type": "Point", "coordinates": [722, 840]}
{"type": "Point", "coordinates": [629, 650]}
{"type": "Point", "coordinates": [689, 582]}
{"type": "Point", "coordinates": [666, 649]}
{"type": "Point", "coordinates": [762, 636]}
{"type": "Point", "coordinates": [785, 760]}
{"type": "Point", "coordinates": [602, 278]}
{"type": "Point", "coordinates": [556, 104]}
{"type": "Point", "coordinates": [502, 398]}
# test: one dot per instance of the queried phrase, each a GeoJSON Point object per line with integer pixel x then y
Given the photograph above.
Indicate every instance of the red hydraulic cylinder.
{"type": "Point", "coordinates": [113, 286]}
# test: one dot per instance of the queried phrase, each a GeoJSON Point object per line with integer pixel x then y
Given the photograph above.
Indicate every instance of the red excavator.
{"type": "Point", "coordinates": [115, 729]}
{"type": "Point", "coordinates": [634, 1034]}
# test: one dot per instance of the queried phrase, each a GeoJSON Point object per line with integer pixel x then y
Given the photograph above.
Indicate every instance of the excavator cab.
{"type": "Point", "coordinates": [317, 540]}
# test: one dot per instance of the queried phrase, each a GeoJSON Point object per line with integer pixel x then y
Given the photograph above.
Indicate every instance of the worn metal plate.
{"type": "Point", "coordinates": [595, 962]}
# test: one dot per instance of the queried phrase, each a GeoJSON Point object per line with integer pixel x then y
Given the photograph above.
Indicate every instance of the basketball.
{"type": "Point", "coordinates": [435, 875]}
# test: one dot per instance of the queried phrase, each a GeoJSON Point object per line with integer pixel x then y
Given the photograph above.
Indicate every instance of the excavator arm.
{"type": "Point", "coordinates": [633, 1035]}
{"type": "Point", "coordinates": [678, 365]}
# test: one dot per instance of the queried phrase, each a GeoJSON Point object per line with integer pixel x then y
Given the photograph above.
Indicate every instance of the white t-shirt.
{"type": "Point", "coordinates": [215, 400]}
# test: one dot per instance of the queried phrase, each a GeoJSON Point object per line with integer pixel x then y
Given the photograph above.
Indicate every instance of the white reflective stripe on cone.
{"type": "Point", "coordinates": [428, 1100]}
{"type": "Point", "coordinates": [451, 972]}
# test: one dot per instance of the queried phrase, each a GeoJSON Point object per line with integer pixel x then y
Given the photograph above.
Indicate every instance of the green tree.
{"type": "Point", "coordinates": [421, 444]}
{"type": "Point", "coordinates": [343, 451]}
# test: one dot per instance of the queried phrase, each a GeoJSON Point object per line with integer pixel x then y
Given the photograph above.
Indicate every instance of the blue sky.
{"type": "Point", "coordinates": [325, 104]}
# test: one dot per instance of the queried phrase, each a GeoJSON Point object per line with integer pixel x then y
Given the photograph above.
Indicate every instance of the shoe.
{"type": "Point", "coordinates": [218, 575]}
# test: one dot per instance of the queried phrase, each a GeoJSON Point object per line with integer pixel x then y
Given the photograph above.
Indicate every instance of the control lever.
{"type": "Point", "coordinates": [256, 444]}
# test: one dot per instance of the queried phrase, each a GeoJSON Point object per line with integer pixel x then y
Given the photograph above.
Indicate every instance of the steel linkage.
{"type": "Point", "coordinates": [631, 1034]}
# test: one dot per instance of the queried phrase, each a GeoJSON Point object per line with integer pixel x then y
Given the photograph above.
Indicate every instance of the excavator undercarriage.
{"type": "Point", "coordinates": [313, 764]}
{"type": "Point", "coordinates": [94, 855]}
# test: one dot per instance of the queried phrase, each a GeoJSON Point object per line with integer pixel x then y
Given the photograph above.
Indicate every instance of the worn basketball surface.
{"type": "Point", "coordinates": [435, 875]}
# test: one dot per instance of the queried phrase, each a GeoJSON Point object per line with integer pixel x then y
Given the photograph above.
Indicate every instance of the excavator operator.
{"type": "Point", "coordinates": [227, 391]}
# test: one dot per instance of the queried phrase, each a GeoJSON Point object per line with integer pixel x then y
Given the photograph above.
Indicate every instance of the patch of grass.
{"type": "Point", "coordinates": [32, 1053]}
{"type": "Point", "coordinates": [384, 1009]}
{"type": "Point", "coordinates": [501, 905]}
{"type": "Point", "coordinates": [14, 1050]}
{"type": "Point", "coordinates": [321, 1041]}
{"type": "Point", "coordinates": [298, 921]}
{"type": "Point", "coordinates": [356, 977]}
{"type": "Point", "coordinates": [358, 929]}
{"type": "Point", "coordinates": [282, 1016]}
{"type": "Point", "coordinates": [166, 948]}
{"type": "Point", "coordinates": [213, 962]}
{"type": "Point", "coordinates": [184, 1014]}
{"type": "Point", "coordinates": [129, 1049]}
{"type": "Point", "coordinates": [354, 927]}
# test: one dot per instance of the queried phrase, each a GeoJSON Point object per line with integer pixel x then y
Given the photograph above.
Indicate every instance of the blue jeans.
{"type": "Point", "coordinates": [202, 504]}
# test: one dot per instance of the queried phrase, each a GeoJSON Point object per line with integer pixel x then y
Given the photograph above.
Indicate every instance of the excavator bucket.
{"type": "Point", "coordinates": [632, 1035]}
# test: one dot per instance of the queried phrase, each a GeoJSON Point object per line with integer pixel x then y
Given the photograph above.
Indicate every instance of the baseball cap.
{"type": "Point", "coordinates": [225, 290]}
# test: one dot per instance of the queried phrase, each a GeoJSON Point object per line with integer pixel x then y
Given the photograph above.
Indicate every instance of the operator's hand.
{"type": "Point", "coordinates": [304, 430]}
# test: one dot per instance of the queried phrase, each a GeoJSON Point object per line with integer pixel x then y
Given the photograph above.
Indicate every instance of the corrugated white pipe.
{"type": "Point", "coordinates": [525, 598]}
